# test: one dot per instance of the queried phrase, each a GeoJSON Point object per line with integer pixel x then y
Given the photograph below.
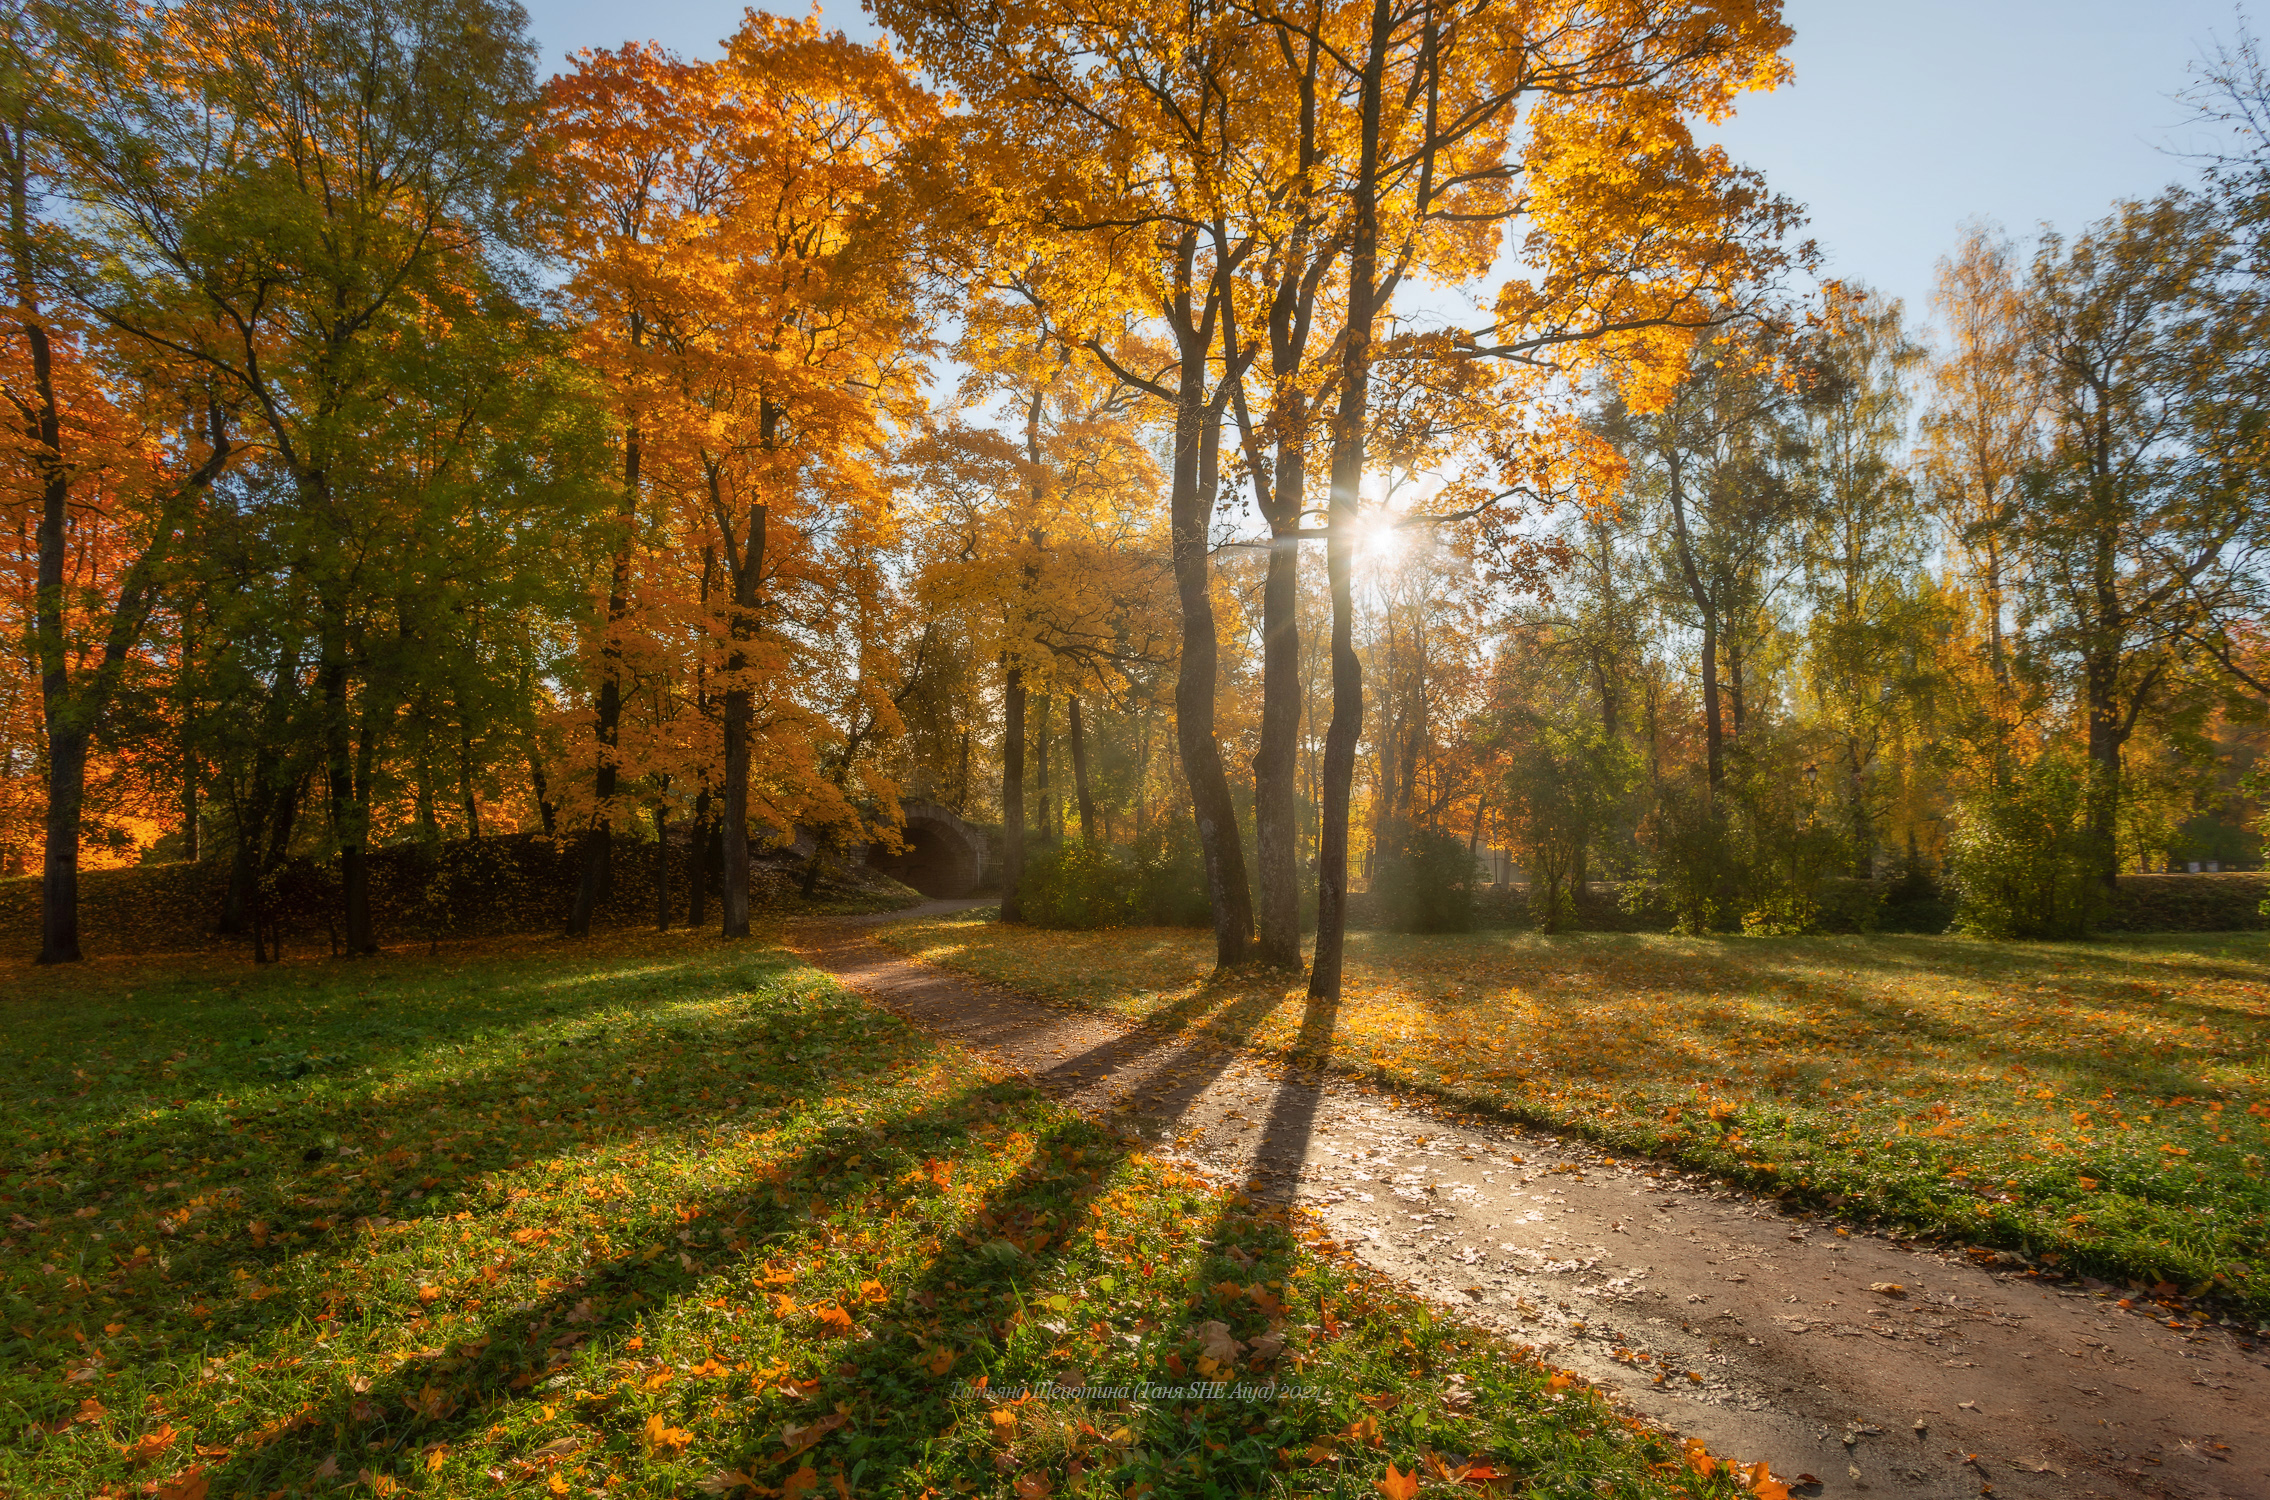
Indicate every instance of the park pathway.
{"type": "Point", "coordinates": [1876, 1368]}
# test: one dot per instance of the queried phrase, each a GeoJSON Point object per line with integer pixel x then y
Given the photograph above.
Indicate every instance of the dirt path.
{"type": "Point", "coordinates": [1705, 1308]}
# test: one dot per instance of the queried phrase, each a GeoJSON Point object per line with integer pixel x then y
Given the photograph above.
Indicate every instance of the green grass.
{"type": "Point", "coordinates": [2101, 1105]}
{"type": "Point", "coordinates": [660, 1216]}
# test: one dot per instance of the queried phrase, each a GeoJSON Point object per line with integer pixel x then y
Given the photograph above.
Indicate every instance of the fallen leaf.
{"type": "Point", "coordinates": [1217, 1345]}
{"type": "Point", "coordinates": [1034, 1487]}
{"type": "Point", "coordinates": [798, 1438]}
{"type": "Point", "coordinates": [189, 1484]}
{"type": "Point", "coordinates": [1398, 1485]}
{"type": "Point", "coordinates": [1888, 1288]}
{"type": "Point", "coordinates": [150, 1445]}
{"type": "Point", "coordinates": [660, 1437]}
{"type": "Point", "coordinates": [1763, 1484]}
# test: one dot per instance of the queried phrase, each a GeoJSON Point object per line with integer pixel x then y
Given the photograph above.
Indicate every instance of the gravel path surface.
{"type": "Point", "coordinates": [1874, 1367]}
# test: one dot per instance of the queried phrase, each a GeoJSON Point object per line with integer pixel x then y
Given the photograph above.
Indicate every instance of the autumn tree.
{"type": "Point", "coordinates": [109, 455]}
{"type": "Point", "coordinates": [293, 187]}
{"type": "Point", "coordinates": [2143, 518]}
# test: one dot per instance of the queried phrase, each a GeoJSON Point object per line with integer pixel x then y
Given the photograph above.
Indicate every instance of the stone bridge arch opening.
{"type": "Point", "coordinates": [944, 857]}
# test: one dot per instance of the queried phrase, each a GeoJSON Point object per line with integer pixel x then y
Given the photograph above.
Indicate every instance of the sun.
{"type": "Point", "coordinates": [1380, 540]}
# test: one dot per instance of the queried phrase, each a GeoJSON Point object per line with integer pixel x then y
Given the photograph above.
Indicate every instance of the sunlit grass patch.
{"type": "Point", "coordinates": [659, 1216]}
{"type": "Point", "coordinates": [2101, 1104]}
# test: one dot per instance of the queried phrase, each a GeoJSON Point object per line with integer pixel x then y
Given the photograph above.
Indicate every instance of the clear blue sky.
{"type": "Point", "coordinates": [1907, 117]}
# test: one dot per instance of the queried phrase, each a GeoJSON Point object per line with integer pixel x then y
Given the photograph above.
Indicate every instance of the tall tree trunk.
{"type": "Point", "coordinates": [1276, 805]}
{"type": "Point", "coordinates": [697, 862]}
{"type": "Point", "coordinates": [1080, 772]}
{"type": "Point", "coordinates": [1013, 794]}
{"type": "Point", "coordinates": [465, 783]}
{"type": "Point", "coordinates": [1734, 698]}
{"type": "Point", "coordinates": [191, 773]}
{"type": "Point", "coordinates": [1706, 608]}
{"type": "Point", "coordinates": [539, 784]}
{"type": "Point", "coordinates": [747, 568]}
{"type": "Point", "coordinates": [429, 826]}
{"type": "Point", "coordinates": [1047, 807]}
{"type": "Point", "coordinates": [598, 840]}
{"type": "Point", "coordinates": [1197, 449]}
{"type": "Point", "coordinates": [348, 829]}
{"type": "Point", "coordinates": [2108, 727]}
{"type": "Point", "coordinates": [661, 867]}
{"type": "Point", "coordinates": [1349, 432]}
{"type": "Point", "coordinates": [59, 883]}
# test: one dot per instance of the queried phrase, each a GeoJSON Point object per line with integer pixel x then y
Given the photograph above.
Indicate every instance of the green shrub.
{"type": "Point", "coordinates": [1079, 885]}
{"type": "Point", "coordinates": [1783, 915]}
{"type": "Point", "coordinates": [1423, 880]}
{"type": "Point", "coordinates": [1170, 876]}
{"type": "Point", "coordinates": [2020, 858]}
{"type": "Point", "coordinates": [1690, 859]}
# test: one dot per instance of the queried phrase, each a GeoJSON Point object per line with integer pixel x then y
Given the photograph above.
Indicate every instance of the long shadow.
{"type": "Point", "coordinates": [448, 1396]}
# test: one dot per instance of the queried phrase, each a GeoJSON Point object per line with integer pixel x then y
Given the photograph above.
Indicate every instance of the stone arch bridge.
{"type": "Point", "coordinates": [944, 856]}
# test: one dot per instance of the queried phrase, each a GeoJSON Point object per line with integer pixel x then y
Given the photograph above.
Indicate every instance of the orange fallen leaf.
{"type": "Point", "coordinates": [660, 1437]}
{"type": "Point", "coordinates": [1034, 1487]}
{"type": "Point", "coordinates": [802, 1482]}
{"type": "Point", "coordinates": [189, 1484]}
{"type": "Point", "coordinates": [939, 1362]}
{"type": "Point", "coordinates": [1398, 1485]}
{"type": "Point", "coordinates": [798, 1438]}
{"type": "Point", "coordinates": [150, 1445]}
{"type": "Point", "coordinates": [1763, 1484]}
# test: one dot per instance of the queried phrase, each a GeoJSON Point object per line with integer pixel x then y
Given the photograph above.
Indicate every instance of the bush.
{"type": "Point", "coordinates": [1170, 876]}
{"type": "Point", "coordinates": [1691, 860]}
{"type": "Point", "coordinates": [1423, 881]}
{"type": "Point", "coordinates": [2020, 859]}
{"type": "Point", "coordinates": [1079, 885]}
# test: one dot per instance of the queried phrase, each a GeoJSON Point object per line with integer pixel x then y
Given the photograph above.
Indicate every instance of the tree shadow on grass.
{"type": "Point", "coordinates": [444, 1397]}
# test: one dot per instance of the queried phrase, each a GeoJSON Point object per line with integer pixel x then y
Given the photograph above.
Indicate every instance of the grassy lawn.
{"type": "Point", "coordinates": [2101, 1104]}
{"type": "Point", "coordinates": [660, 1216]}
